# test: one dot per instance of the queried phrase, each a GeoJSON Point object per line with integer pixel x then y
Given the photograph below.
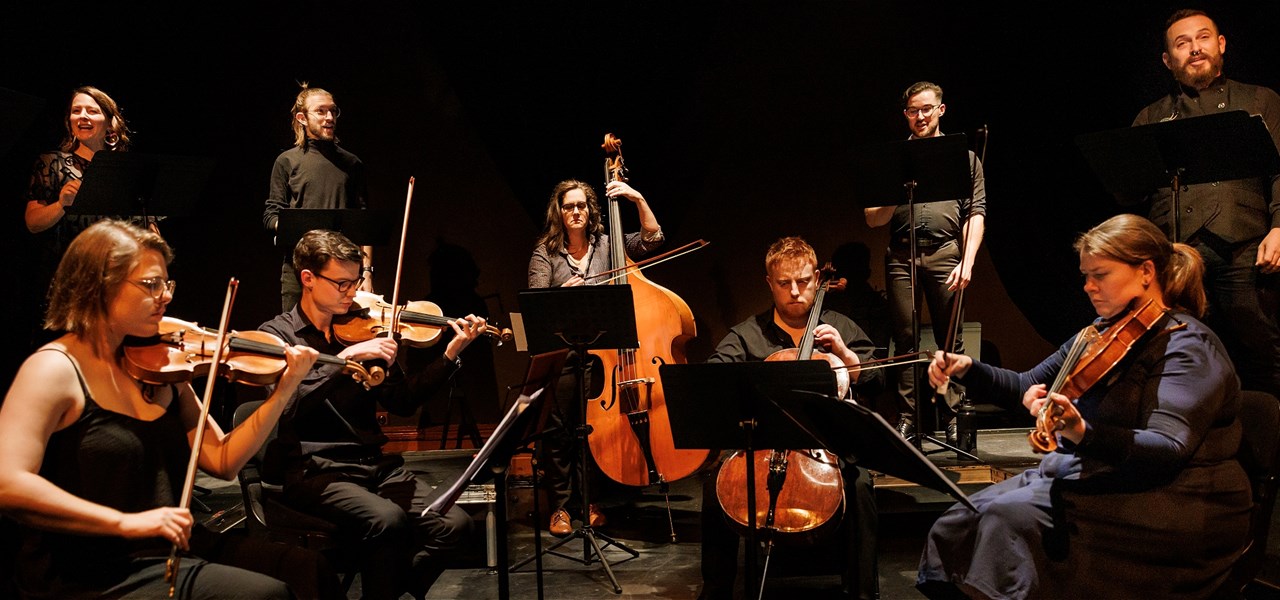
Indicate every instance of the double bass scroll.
{"type": "Point", "coordinates": [630, 437]}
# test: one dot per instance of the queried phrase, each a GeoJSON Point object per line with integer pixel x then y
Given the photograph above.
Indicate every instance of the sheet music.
{"type": "Point", "coordinates": [446, 501]}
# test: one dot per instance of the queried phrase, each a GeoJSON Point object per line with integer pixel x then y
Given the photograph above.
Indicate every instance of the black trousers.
{"type": "Point", "coordinates": [932, 267]}
{"type": "Point", "coordinates": [855, 539]}
{"type": "Point", "coordinates": [1243, 310]}
{"type": "Point", "coordinates": [380, 505]}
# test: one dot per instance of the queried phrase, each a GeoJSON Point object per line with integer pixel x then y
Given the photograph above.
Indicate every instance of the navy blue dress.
{"type": "Point", "coordinates": [1151, 503]}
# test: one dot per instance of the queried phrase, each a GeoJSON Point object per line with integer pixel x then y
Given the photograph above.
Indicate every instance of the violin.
{"type": "Point", "coordinates": [183, 351]}
{"type": "Point", "coordinates": [1090, 358]}
{"type": "Point", "coordinates": [420, 322]}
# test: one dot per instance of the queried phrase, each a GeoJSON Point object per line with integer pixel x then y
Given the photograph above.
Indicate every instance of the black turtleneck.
{"type": "Point", "coordinates": [318, 175]}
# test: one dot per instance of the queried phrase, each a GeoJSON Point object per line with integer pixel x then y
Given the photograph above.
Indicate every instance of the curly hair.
{"type": "Point", "coordinates": [117, 129]}
{"type": "Point", "coordinates": [553, 235]}
{"type": "Point", "coordinates": [96, 263]}
{"type": "Point", "coordinates": [789, 249]}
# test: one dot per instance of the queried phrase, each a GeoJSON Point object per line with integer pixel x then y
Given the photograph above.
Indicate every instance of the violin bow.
{"type": "Point", "coordinates": [395, 290]}
{"type": "Point", "coordinates": [954, 326]}
{"type": "Point", "coordinates": [649, 262]}
{"type": "Point", "coordinates": [171, 566]}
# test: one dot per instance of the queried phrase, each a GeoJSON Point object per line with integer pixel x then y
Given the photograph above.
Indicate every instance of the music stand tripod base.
{"type": "Point", "coordinates": [582, 318]}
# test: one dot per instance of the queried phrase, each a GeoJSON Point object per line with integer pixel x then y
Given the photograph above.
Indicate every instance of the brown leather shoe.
{"type": "Point", "coordinates": [560, 525]}
{"type": "Point", "coordinates": [596, 518]}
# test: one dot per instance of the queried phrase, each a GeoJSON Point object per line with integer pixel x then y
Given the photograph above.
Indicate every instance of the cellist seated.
{"type": "Point", "coordinates": [1143, 497]}
{"type": "Point", "coordinates": [791, 272]}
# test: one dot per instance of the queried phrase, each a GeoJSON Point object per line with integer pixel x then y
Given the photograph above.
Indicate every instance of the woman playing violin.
{"type": "Point", "coordinates": [1156, 505]}
{"type": "Point", "coordinates": [572, 249]}
{"type": "Point", "coordinates": [328, 454]}
{"type": "Point", "coordinates": [92, 462]}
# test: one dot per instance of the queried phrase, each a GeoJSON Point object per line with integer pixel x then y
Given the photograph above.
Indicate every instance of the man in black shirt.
{"type": "Point", "coordinates": [315, 173]}
{"type": "Point", "coordinates": [791, 272]}
{"type": "Point", "coordinates": [948, 234]}
{"type": "Point", "coordinates": [328, 453]}
{"type": "Point", "coordinates": [1235, 225]}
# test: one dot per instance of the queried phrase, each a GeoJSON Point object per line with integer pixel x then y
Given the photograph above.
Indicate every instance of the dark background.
{"type": "Point", "coordinates": [738, 120]}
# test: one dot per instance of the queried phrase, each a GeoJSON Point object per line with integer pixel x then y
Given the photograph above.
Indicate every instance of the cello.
{"type": "Point", "coordinates": [630, 431]}
{"type": "Point", "coordinates": [798, 492]}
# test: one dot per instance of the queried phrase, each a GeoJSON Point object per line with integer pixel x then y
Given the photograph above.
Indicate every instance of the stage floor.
{"type": "Point", "coordinates": [664, 569]}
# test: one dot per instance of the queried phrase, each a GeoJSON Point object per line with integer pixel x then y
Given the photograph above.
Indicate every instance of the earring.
{"type": "Point", "coordinates": [112, 139]}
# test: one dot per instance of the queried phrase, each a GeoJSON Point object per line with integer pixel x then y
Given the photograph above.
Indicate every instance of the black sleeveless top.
{"type": "Point", "coordinates": [114, 460]}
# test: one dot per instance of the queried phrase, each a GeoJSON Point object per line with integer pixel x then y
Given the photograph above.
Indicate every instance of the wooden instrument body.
{"type": "Point", "coordinates": [798, 493]}
{"type": "Point", "coordinates": [633, 401]}
{"type": "Point", "coordinates": [630, 429]}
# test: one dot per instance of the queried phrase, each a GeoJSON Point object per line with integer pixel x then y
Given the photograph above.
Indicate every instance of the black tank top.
{"type": "Point", "coordinates": [115, 460]}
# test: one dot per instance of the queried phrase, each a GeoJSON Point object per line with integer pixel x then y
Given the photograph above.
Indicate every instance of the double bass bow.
{"type": "Point", "coordinates": [630, 429]}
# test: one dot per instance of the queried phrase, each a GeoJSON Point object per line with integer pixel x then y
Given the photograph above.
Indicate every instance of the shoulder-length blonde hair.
{"type": "Point", "coordinates": [96, 263]}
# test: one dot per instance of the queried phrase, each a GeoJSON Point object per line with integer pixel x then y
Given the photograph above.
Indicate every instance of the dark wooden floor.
{"type": "Point", "coordinates": [638, 519]}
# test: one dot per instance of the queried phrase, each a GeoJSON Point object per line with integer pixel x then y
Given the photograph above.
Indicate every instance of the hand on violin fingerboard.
{"type": "Point", "coordinates": [1068, 422]}
{"type": "Point", "coordinates": [465, 331]}
{"type": "Point", "coordinates": [298, 362]}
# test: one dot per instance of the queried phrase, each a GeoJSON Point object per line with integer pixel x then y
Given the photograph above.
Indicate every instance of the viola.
{"type": "Point", "coordinates": [630, 437]}
{"type": "Point", "coordinates": [1091, 357]}
{"type": "Point", "coordinates": [419, 323]}
{"type": "Point", "coordinates": [798, 492]}
{"type": "Point", "coordinates": [183, 351]}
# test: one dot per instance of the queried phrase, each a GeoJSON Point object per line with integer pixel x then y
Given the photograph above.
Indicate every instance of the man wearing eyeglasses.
{"type": "Point", "coordinates": [328, 452]}
{"type": "Point", "coordinates": [948, 234]}
{"type": "Point", "coordinates": [315, 173]}
{"type": "Point", "coordinates": [1235, 225]}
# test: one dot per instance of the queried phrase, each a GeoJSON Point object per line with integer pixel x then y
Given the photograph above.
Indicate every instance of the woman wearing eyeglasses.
{"type": "Point", "coordinates": [92, 462]}
{"type": "Point", "coordinates": [573, 246]}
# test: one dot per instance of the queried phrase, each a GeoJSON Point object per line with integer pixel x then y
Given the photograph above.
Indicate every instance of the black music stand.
{"type": "Point", "coordinates": [363, 227]}
{"type": "Point", "coordinates": [1218, 147]}
{"type": "Point", "coordinates": [136, 184]}
{"type": "Point", "coordinates": [735, 406]}
{"type": "Point", "coordinates": [523, 420]}
{"type": "Point", "coordinates": [906, 172]}
{"type": "Point", "coordinates": [581, 318]}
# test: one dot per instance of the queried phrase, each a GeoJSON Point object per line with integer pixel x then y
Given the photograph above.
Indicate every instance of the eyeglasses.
{"type": "Point", "coordinates": [156, 286]}
{"type": "Point", "coordinates": [925, 110]}
{"type": "Point", "coordinates": [343, 286]}
{"type": "Point", "coordinates": [321, 112]}
{"type": "Point", "coordinates": [572, 206]}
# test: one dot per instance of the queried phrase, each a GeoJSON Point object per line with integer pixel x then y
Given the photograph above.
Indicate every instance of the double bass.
{"type": "Point", "coordinates": [798, 492]}
{"type": "Point", "coordinates": [630, 429]}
